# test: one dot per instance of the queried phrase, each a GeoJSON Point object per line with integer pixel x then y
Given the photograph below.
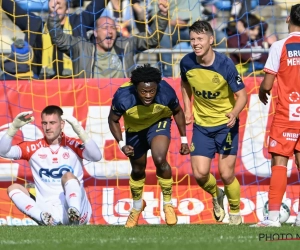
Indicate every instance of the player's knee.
{"type": "Point", "coordinates": [161, 162]}
{"type": "Point", "coordinates": [137, 173]}
{"type": "Point", "coordinates": [201, 178]}
{"type": "Point", "coordinates": [227, 177]}
{"type": "Point", "coordinates": [67, 176]}
{"type": "Point", "coordinates": [14, 186]}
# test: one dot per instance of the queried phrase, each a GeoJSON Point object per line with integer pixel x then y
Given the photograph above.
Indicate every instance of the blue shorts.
{"type": "Point", "coordinates": [207, 141]}
{"type": "Point", "coordinates": [141, 141]}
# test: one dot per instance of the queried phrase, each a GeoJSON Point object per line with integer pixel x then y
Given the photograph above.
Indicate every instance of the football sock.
{"type": "Point", "coordinates": [136, 188]}
{"type": "Point", "coordinates": [298, 216]}
{"type": "Point", "coordinates": [166, 188]}
{"type": "Point", "coordinates": [233, 194]}
{"type": "Point", "coordinates": [73, 194]}
{"type": "Point", "coordinates": [277, 189]}
{"type": "Point", "coordinates": [211, 186]}
{"type": "Point", "coordinates": [25, 204]}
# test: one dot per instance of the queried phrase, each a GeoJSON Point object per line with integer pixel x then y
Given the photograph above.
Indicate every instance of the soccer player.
{"type": "Point", "coordinates": [56, 164]}
{"type": "Point", "coordinates": [147, 103]}
{"type": "Point", "coordinates": [213, 81]}
{"type": "Point", "coordinates": [284, 64]}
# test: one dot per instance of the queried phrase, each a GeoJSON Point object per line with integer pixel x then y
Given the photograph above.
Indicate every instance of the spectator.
{"type": "Point", "coordinates": [122, 12]}
{"type": "Point", "coordinates": [239, 9]}
{"type": "Point", "coordinates": [183, 15]}
{"type": "Point", "coordinates": [252, 37]}
{"type": "Point", "coordinates": [105, 56]}
{"type": "Point", "coordinates": [36, 34]}
{"type": "Point", "coordinates": [18, 63]}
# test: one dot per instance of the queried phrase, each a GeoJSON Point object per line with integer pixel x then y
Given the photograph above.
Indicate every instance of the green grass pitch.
{"type": "Point", "coordinates": [152, 237]}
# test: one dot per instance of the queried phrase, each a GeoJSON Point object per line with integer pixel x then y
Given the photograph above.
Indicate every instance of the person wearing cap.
{"type": "Point", "coordinates": [48, 61]}
{"type": "Point", "coordinates": [18, 64]}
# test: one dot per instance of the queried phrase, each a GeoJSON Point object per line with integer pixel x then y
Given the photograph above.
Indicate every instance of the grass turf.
{"type": "Point", "coordinates": [179, 237]}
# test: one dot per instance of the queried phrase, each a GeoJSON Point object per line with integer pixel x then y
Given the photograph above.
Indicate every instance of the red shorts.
{"type": "Point", "coordinates": [284, 141]}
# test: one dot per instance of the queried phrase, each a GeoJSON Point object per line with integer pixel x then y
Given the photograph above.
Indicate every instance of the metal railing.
{"type": "Point", "coordinates": [185, 51]}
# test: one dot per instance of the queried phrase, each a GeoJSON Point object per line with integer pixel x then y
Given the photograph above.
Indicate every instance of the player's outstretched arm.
{"type": "Point", "coordinates": [91, 150]}
{"type": "Point", "coordinates": [265, 87]}
{"type": "Point", "coordinates": [6, 149]}
{"type": "Point", "coordinates": [180, 122]}
{"type": "Point", "coordinates": [115, 129]}
{"type": "Point", "coordinates": [186, 97]}
{"type": "Point", "coordinates": [241, 101]}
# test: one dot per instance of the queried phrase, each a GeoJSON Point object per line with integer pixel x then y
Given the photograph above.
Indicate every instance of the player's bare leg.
{"type": "Point", "coordinates": [159, 149]}
{"type": "Point", "coordinates": [297, 161]}
{"type": "Point", "coordinates": [201, 171]}
{"type": "Point", "coordinates": [136, 183]}
{"type": "Point", "coordinates": [231, 187]}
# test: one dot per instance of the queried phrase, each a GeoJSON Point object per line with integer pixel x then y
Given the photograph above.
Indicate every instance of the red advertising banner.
{"type": "Point", "coordinates": [89, 101]}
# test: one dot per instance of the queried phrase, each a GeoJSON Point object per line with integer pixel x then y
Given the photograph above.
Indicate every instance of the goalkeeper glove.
{"type": "Point", "coordinates": [78, 129]}
{"type": "Point", "coordinates": [19, 121]}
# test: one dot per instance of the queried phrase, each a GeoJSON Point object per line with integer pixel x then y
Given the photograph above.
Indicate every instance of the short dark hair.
{"type": "Point", "coordinates": [52, 109]}
{"type": "Point", "coordinates": [295, 15]}
{"type": "Point", "coordinates": [145, 73]}
{"type": "Point", "coordinates": [201, 27]}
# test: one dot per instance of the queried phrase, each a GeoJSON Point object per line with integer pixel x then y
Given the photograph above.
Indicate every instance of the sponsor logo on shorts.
{"type": "Point", "coordinates": [290, 136]}
{"type": "Point", "coordinates": [192, 147]}
{"type": "Point", "coordinates": [157, 130]}
{"type": "Point", "coordinates": [225, 148]}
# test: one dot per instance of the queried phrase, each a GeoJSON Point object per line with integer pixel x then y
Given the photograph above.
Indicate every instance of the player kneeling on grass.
{"type": "Point", "coordinates": [147, 103]}
{"type": "Point", "coordinates": [56, 163]}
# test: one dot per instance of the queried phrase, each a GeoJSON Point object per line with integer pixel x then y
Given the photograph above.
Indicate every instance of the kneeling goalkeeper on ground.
{"type": "Point", "coordinates": [147, 103]}
{"type": "Point", "coordinates": [57, 169]}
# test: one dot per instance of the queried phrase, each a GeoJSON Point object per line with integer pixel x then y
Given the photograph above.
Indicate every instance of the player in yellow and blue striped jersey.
{"type": "Point", "coordinates": [147, 104]}
{"type": "Point", "coordinates": [219, 96]}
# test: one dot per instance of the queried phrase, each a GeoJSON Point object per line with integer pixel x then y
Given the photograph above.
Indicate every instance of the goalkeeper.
{"type": "Point", "coordinates": [56, 163]}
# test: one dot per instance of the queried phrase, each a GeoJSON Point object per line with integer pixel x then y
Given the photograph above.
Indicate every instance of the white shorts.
{"type": "Point", "coordinates": [58, 208]}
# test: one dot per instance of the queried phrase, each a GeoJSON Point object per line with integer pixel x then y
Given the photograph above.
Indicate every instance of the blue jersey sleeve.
{"type": "Point", "coordinates": [173, 101]}
{"type": "Point", "coordinates": [183, 70]}
{"type": "Point", "coordinates": [233, 78]}
{"type": "Point", "coordinates": [117, 107]}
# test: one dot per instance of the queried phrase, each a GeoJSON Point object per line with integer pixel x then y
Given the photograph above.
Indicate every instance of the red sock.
{"type": "Point", "coordinates": [277, 187]}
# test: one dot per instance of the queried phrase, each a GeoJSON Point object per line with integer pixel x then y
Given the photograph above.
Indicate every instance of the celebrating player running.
{"type": "Point", "coordinates": [147, 103]}
{"type": "Point", "coordinates": [212, 79]}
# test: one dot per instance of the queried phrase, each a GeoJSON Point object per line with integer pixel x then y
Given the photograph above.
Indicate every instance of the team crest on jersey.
{"type": "Point", "coordinates": [192, 147]}
{"type": "Point", "coordinates": [216, 79]}
{"type": "Point", "coordinates": [66, 155]}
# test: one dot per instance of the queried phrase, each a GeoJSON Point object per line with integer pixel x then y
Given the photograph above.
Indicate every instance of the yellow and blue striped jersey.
{"type": "Point", "coordinates": [137, 116]}
{"type": "Point", "coordinates": [213, 88]}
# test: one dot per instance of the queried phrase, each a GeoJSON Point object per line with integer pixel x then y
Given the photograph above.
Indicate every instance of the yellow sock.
{"type": "Point", "coordinates": [136, 188]}
{"type": "Point", "coordinates": [233, 194]}
{"type": "Point", "coordinates": [166, 188]}
{"type": "Point", "coordinates": [211, 186]}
